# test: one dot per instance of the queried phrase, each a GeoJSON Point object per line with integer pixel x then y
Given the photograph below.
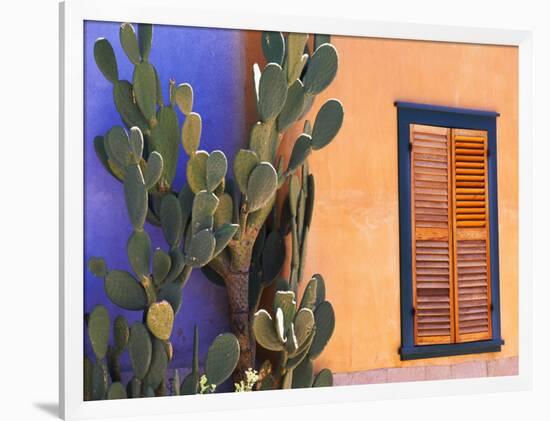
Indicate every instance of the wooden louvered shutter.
{"type": "Point", "coordinates": [471, 236]}
{"type": "Point", "coordinates": [431, 235]}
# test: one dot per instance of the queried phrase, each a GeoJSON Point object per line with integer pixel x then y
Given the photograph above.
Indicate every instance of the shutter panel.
{"type": "Point", "coordinates": [471, 236]}
{"type": "Point", "coordinates": [431, 234]}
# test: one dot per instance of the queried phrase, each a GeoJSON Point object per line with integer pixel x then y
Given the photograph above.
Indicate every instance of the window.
{"type": "Point", "coordinates": [448, 209]}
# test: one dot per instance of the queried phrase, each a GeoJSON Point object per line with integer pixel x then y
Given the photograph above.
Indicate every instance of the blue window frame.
{"type": "Point", "coordinates": [411, 113]}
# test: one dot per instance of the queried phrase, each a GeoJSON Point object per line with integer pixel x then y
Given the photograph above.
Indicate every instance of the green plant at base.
{"type": "Point", "coordinates": [247, 385]}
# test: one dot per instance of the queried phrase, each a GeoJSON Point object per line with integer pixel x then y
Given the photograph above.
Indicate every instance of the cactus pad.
{"type": "Point", "coordinates": [176, 382]}
{"type": "Point", "coordinates": [145, 37]}
{"type": "Point", "coordinates": [285, 301]}
{"type": "Point", "coordinates": [204, 207]}
{"type": "Point", "coordinates": [201, 248]}
{"type": "Point", "coordinates": [320, 289]}
{"type": "Point", "coordinates": [190, 384]}
{"type": "Point", "coordinates": [171, 293]}
{"type": "Point", "coordinates": [224, 211]}
{"type": "Point", "coordinates": [129, 43]}
{"type": "Point", "coordinates": [300, 152]}
{"type": "Point", "coordinates": [160, 320]}
{"type": "Point", "coordinates": [310, 295]}
{"type": "Point", "coordinates": [117, 146]}
{"type": "Point", "coordinates": [327, 123]}
{"type": "Point", "coordinates": [273, 47]}
{"type": "Point", "coordinates": [263, 137]}
{"type": "Point", "coordinates": [100, 378]}
{"type": "Point", "coordinates": [98, 266]}
{"type": "Point", "coordinates": [165, 139]}
{"type": "Point", "coordinates": [136, 145]}
{"type": "Point", "coordinates": [244, 163]}
{"type": "Point", "coordinates": [272, 92]}
{"type": "Point", "coordinates": [320, 39]}
{"type": "Point", "coordinates": [222, 358]}
{"type": "Point", "coordinates": [273, 256]}
{"type": "Point", "coordinates": [191, 133]}
{"type": "Point", "coordinates": [121, 334]}
{"type": "Point", "coordinates": [98, 329]}
{"type": "Point", "coordinates": [280, 325]}
{"type": "Point", "coordinates": [186, 198]}
{"type": "Point", "coordinates": [125, 105]}
{"type": "Point", "coordinates": [101, 153]}
{"type": "Point", "coordinates": [105, 59]}
{"type": "Point", "coordinates": [161, 265]}
{"type": "Point", "coordinates": [184, 98]}
{"type": "Point", "coordinates": [117, 391]}
{"type": "Point", "coordinates": [323, 379]}
{"type": "Point", "coordinates": [223, 236]}
{"type": "Point", "coordinates": [302, 376]}
{"type": "Point", "coordinates": [158, 366]}
{"type": "Point", "coordinates": [294, 194]}
{"type": "Point", "coordinates": [216, 168]}
{"type": "Point", "coordinates": [88, 368]}
{"type": "Point", "coordinates": [135, 193]}
{"type": "Point", "coordinates": [295, 55]}
{"type": "Point", "coordinates": [178, 262]}
{"type": "Point", "coordinates": [293, 107]}
{"type": "Point", "coordinates": [196, 171]}
{"type": "Point", "coordinates": [171, 219]}
{"type": "Point", "coordinates": [262, 185]}
{"type": "Point", "coordinates": [304, 324]}
{"type": "Point", "coordinates": [321, 69]}
{"type": "Point", "coordinates": [264, 331]}
{"type": "Point", "coordinates": [133, 388]}
{"type": "Point", "coordinates": [291, 345]}
{"type": "Point", "coordinates": [324, 322]}
{"type": "Point", "coordinates": [145, 89]}
{"type": "Point", "coordinates": [139, 252]}
{"type": "Point", "coordinates": [310, 200]}
{"type": "Point", "coordinates": [125, 291]}
{"type": "Point", "coordinates": [140, 349]}
{"type": "Point", "coordinates": [153, 170]}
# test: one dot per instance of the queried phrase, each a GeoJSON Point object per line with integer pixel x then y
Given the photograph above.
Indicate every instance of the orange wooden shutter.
{"type": "Point", "coordinates": [431, 233]}
{"type": "Point", "coordinates": [471, 236]}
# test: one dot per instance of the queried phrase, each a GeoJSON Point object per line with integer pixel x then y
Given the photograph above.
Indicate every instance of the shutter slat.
{"type": "Point", "coordinates": [471, 236]}
{"type": "Point", "coordinates": [431, 228]}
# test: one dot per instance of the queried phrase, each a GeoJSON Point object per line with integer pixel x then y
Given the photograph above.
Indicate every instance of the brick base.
{"type": "Point", "coordinates": [470, 369]}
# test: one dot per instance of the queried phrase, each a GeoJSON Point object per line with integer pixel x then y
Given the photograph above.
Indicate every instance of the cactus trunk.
{"type": "Point", "coordinates": [237, 293]}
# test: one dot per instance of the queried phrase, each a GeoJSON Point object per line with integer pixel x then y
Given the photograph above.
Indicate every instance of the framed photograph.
{"type": "Point", "coordinates": [271, 210]}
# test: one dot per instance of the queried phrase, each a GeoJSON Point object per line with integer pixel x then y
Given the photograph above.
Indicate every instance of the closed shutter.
{"type": "Point", "coordinates": [432, 235]}
{"type": "Point", "coordinates": [471, 235]}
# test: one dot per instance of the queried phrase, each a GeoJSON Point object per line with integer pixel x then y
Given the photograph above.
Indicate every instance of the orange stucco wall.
{"type": "Point", "coordinates": [354, 239]}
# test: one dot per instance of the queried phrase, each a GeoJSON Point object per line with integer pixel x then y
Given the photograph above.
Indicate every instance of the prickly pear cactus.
{"type": "Point", "coordinates": [143, 156]}
{"type": "Point", "coordinates": [231, 230]}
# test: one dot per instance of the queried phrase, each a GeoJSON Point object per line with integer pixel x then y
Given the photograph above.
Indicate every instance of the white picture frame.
{"type": "Point", "coordinates": [73, 13]}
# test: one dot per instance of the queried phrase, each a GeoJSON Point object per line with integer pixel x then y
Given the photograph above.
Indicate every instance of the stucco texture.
{"type": "Point", "coordinates": [354, 239]}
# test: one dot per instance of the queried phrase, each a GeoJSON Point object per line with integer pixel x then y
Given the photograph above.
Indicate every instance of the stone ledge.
{"type": "Point", "coordinates": [469, 369]}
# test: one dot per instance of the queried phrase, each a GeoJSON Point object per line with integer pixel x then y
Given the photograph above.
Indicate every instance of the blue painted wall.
{"type": "Point", "coordinates": [212, 61]}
